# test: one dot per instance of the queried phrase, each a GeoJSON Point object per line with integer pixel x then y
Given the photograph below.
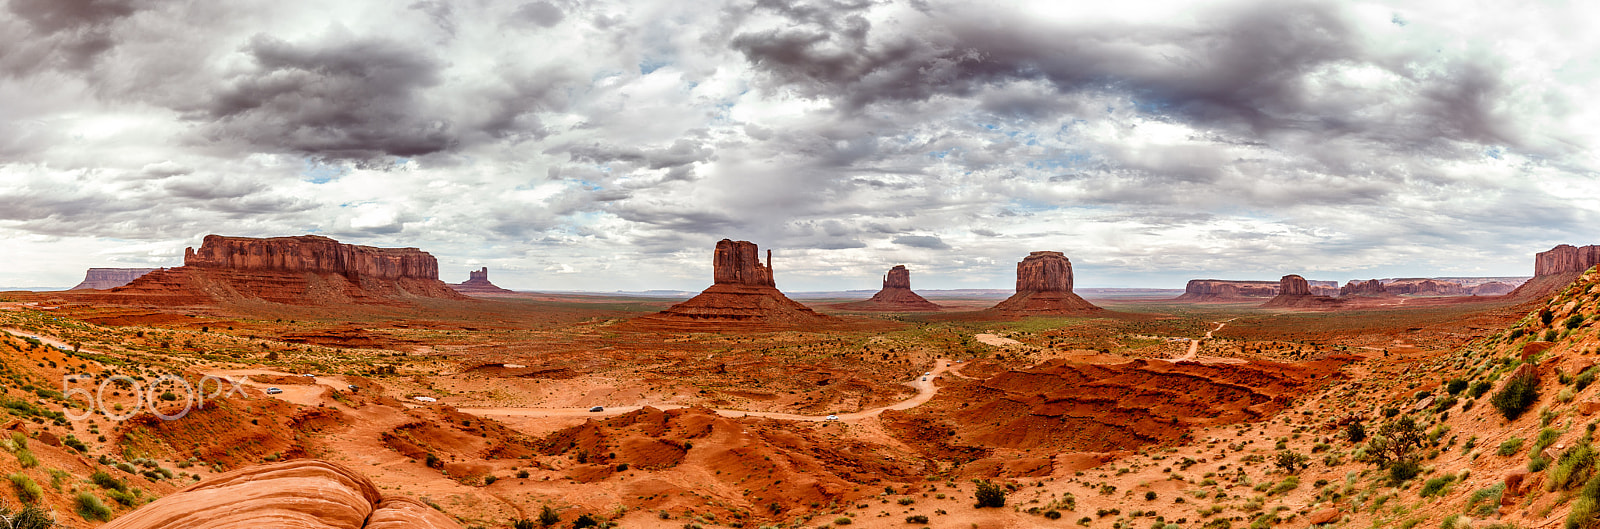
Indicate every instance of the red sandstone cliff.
{"type": "Point", "coordinates": [1224, 290]}
{"type": "Point", "coordinates": [1370, 288]}
{"type": "Point", "coordinates": [743, 295]}
{"type": "Point", "coordinates": [109, 278]}
{"type": "Point", "coordinates": [896, 295]}
{"type": "Point", "coordinates": [478, 283]}
{"type": "Point", "coordinates": [1556, 268]}
{"type": "Point", "coordinates": [305, 270]}
{"type": "Point", "coordinates": [304, 493]}
{"type": "Point", "coordinates": [1044, 286]}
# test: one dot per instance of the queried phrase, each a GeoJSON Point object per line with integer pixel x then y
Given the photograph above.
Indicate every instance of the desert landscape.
{"type": "Point", "coordinates": [250, 383]}
{"type": "Point", "coordinates": [799, 264]}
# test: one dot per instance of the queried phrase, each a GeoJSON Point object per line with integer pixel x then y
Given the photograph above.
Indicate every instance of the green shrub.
{"type": "Point", "coordinates": [1510, 446]}
{"type": "Point", "coordinates": [1288, 484]}
{"type": "Point", "coordinates": [522, 523]}
{"type": "Point", "coordinates": [1547, 437]}
{"type": "Point", "coordinates": [1437, 486]}
{"type": "Point", "coordinates": [91, 508]}
{"type": "Point", "coordinates": [1485, 501]}
{"type": "Point", "coordinates": [1355, 432]}
{"type": "Point", "coordinates": [842, 520]}
{"type": "Point", "coordinates": [1573, 467]}
{"type": "Point", "coordinates": [32, 517]}
{"type": "Point", "coordinates": [1516, 395]}
{"type": "Point", "coordinates": [1574, 321]}
{"type": "Point", "coordinates": [990, 494]}
{"type": "Point", "coordinates": [1479, 388]}
{"type": "Point", "coordinates": [1403, 470]}
{"type": "Point", "coordinates": [105, 481]}
{"type": "Point", "coordinates": [1455, 386]}
{"type": "Point", "coordinates": [584, 520]}
{"type": "Point", "coordinates": [548, 516]}
{"type": "Point", "coordinates": [1585, 378]}
{"type": "Point", "coordinates": [921, 519]}
{"type": "Point", "coordinates": [27, 490]}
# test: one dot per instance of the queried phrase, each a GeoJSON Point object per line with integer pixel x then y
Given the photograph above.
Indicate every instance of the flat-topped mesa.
{"type": "Point", "coordinates": [1223, 290]}
{"type": "Point", "coordinates": [743, 295]}
{"type": "Point", "coordinates": [478, 283]}
{"type": "Point", "coordinates": [896, 295]}
{"type": "Point", "coordinates": [739, 263]}
{"type": "Point", "coordinates": [303, 270]}
{"type": "Point", "coordinates": [1370, 287]}
{"type": "Point", "coordinates": [1044, 286]}
{"type": "Point", "coordinates": [1566, 259]}
{"type": "Point", "coordinates": [109, 278]}
{"type": "Point", "coordinates": [1294, 292]}
{"type": "Point", "coordinates": [311, 253]}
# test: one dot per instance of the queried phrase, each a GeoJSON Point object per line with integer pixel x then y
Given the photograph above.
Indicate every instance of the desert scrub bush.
{"type": "Point", "coordinates": [91, 508]}
{"type": "Point", "coordinates": [1573, 467]}
{"type": "Point", "coordinates": [1291, 461]}
{"type": "Point", "coordinates": [1547, 437]}
{"type": "Point", "coordinates": [990, 494]}
{"type": "Point", "coordinates": [1585, 378]}
{"type": "Point", "coordinates": [922, 519]}
{"type": "Point", "coordinates": [105, 481]}
{"type": "Point", "coordinates": [29, 517]}
{"type": "Point", "coordinates": [843, 520]}
{"type": "Point", "coordinates": [1516, 395]}
{"type": "Point", "coordinates": [1510, 447]}
{"type": "Point", "coordinates": [27, 490]}
{"type": "Point", "coordinates": [1437, 486]}
{"type": "Point", "coordinates": [1288, 484]}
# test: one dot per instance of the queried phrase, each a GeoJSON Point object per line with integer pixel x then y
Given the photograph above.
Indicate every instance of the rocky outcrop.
{"type": "Point", "coordinates": [1224, 290]}
{"type": "Point", "coordinates": [304, 270]}
{"type": "Point", "coordinates": [478, 284]}
{"type": "Point", "coordinates": [109, 278]}
{"type": "Point", "coordinates": [1044, 286]}
{"type": "Point", "coordinates": [1324, 288]}
{"type": "Point", "coordinates": [1294, 292]}
{"type": "Point", "coordinates": [1492, 288]}
{"type": "Point", "coordinates": [743, 295]}
{"type": "Point", "coordinates": [896, 295]}
{"type": "Point", "coordinates": [1369, 288]}
{"type": "Point", "coordinates": [1565, 259]}
{"type": "Point", "coordinates": [1425, 287]}
{"type": "Point", "coordinates": [305, 493]}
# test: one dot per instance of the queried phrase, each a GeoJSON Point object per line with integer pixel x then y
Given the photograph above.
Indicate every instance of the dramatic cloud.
{"type": "Point", "coordinates": [558, 141]}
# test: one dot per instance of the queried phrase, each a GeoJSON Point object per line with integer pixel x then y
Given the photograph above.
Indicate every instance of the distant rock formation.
{"type": "Point", "coordinates": [303, 493]}
{"type": "Point", "coordinates": [1369, 288]}
{"type": "Point", "coordinates": [1294, 292]}
{"type": "Point", "coordinates": [1224, 290]}
{"type": "Point", "coordinates": [1492, 288]}
{"type": "Point", "coordinates": [109, 278]}
{"type": "Point", "coordinates": [896, 295]}
{"type": "Point", "coordinates": [303, 270]}
{"type": "Point", "coordinates": [1324, 288]}
{"type": "Point", "coordinates": [743, 294]}
{"type": "Point", "coordinates": [478, 283]}
{"type": "Point", "coordinates": [1044, 286]}
{"type": "Point", "coordinates": [1425, 287]}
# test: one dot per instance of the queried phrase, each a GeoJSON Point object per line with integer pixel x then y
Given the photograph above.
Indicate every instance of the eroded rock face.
{"type": "Point", "coordinates": [898, 277]}
{"type": "Point", "coordinates": [1370, 287]}
{"type": "Point", "coordinates": [311, 253]}
{"type": "Point", "coordinates": [1294, 285]}
{"type": "Point", "coordinates": [109, 278]}
{"type": "Point", "coordinates": [478, 283]}
{"type": "Point", "coordinates": [1565, 259]}
{"type": "Point", "coordinates": [743, 295]}
{"type": "Point", "coordinates": [305, 493]}
{"type": "Point", "coordinates": [1044, 272]}
{"type": "Point", "coordinates": [739, 263]}
{"type": "Point", "coordinates": [1426, 287]}
{"type": "Point", "coordinates": [1044, 286]}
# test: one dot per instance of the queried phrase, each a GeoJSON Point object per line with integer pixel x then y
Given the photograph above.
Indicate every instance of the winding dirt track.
{"type": "Point", "coordinates": [1194, 345]}
{"type": "Point", "coordinates": [924, 385]}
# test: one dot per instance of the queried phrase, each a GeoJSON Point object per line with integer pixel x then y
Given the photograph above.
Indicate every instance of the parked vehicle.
{"type": "Point", "coordinates": [597, 409]}
{"type": "Point", "coordinates": [274, 391]}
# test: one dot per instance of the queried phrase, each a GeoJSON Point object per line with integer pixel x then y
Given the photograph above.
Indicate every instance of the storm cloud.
{"type": "Point", "coordinates": [558, 141]}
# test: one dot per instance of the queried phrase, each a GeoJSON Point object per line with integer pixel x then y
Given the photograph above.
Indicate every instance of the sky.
{"type": "Point", "coordinates": [605, 145]}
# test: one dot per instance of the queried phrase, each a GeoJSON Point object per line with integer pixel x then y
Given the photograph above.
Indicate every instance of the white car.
{"type": "Point", "coordinates": [274, 391]}
{"type": "Point", "coordinates": [426, 399]}
{"type": "Point", "coordinates": [831, 418]}
{"type": "Point", "coordinates": [309, 375]}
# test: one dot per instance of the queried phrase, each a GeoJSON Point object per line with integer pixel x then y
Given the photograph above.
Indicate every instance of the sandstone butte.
{"type": "Point", "coordinates": [1294, 292]}
{"type": "Point", "coordinates": [1221, 290]}
{"type": "Point", "coordinates": [109, 278]}
{"type": "Point", "coordinates": [1554, 269]}
{"type": "Point", "coordinates": [303, 270]}
{"type": "Point", "coordinates": [1044, 286]}
{"type": "Point", "coordinates": [743, 294]}
{"type": "Point", "coordinates": [478, 283]}
{"type": "Point", "coordinates": [305, 493]}
{"type": "Point", "coordinates": [896, 295]}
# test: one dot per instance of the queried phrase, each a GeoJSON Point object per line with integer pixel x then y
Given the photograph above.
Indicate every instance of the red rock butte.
{"type": "Point", "coordinates": [109, 278]}
{"type": "Point", "coordinates": [303, 270]}
{"type": "Point", "coordinates": [478, 283]}
{"type": "Point", "coordinates": [1294, 292]}
{"type": "Point", "coordinates": [303, 493]}
{"type": "Point", "coordinates": [743, 294]}
{"type": "Point", "coordinates": [1554, 269]}
{"type": "Point", "coordinates": [1044, 286]}
{"type": "Point", "coordinates": [896, 295]}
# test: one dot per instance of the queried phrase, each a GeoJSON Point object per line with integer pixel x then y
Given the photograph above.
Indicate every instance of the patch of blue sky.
{"type": "Point", "coordinates": [1494, 152]}
{"type": "Point", "coordinates": [650, 64]}
{"type": "Point", "coordinates": [317, 172]}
